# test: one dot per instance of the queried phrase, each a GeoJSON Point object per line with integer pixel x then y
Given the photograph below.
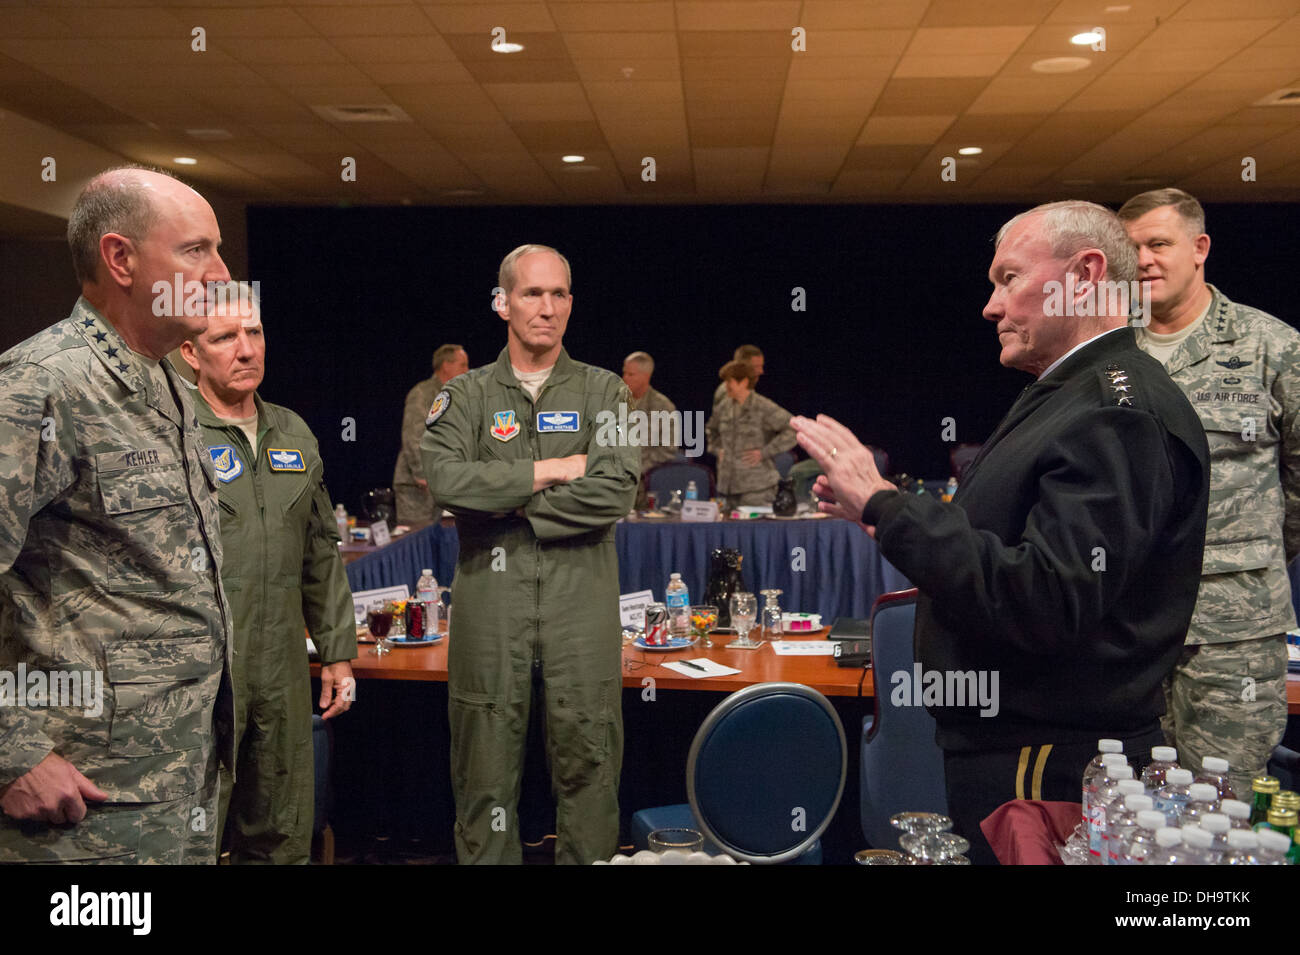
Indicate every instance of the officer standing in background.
{"type": "Point", "coordinates": [512, 450]}
{"type": "Point", "coordinates": [746, 432]}
{"type": "Point", "coordinates": [1240, 368]}
{"type": "Point", "coordinates": [109, 547]}
{"type": "Point", "coordinates": [637, 369]}
{"type": "Point", "coordinates": [410, 488]}
{"type": "Point", "coordinates": [752, 356]}
{"type": "Point", "coordinates": [282, 574]}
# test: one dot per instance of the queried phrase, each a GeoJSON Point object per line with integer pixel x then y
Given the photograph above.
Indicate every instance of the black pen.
{"type": "Point", "coordinates": [693, 666]}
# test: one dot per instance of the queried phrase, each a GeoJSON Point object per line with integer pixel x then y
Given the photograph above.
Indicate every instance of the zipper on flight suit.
{"type": "Point", "coordinates": [535, 442]}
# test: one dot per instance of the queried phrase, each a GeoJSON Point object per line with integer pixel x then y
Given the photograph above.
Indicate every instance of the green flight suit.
{"type": "Point", "coordinates": [536, 584]}
{"type": "Point", "coordinates": [282, 574]}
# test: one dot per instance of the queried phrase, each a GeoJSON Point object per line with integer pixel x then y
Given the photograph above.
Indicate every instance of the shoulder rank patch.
{"type": "Point", "coordinates": [226, 463]}
{"type": "Point", "coordinates": [441, 402]}
{"type": "Point", "coordinates": [504, 426]}
{"type": "Point", "coordinates": [1119, 385]}
{"type": "Point", "coordinates": [285, 459]}
{"type": "Point", "coordinates": [557, 421]}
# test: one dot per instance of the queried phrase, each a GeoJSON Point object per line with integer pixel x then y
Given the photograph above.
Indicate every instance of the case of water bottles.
{"type": "Point", "coordinates": [1169, 817]}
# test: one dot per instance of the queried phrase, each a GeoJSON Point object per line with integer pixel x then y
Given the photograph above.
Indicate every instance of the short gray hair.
{"type": "Point", "coordinates": [444, 354]}
{"type": "Point", "coordinates": [1184, 203]}
{"type": "Point", "coordinates": [1074, 225]}
{"type": "Point", "coordinates": [643, 359]}
{"type": "Point", "coordinates": [506, 274]}
{"type": "Point", "coordinates": [109, 203]}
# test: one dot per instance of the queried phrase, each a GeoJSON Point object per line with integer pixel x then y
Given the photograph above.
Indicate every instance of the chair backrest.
{"type": "Point", "coordinates": [783, 462]}
{"type": "Point", "coordinates": [320, 745]}
{"type": "Point", "coordinates": [902, 765]}
{"type": "Point", "coordinates": [766, 771]}
{"type": "Point", "coordinates": [671, 476]}
{"type": "Point", "coordinates": [961, 457]}
{"type": "Point", "coordinates": [881, 457]}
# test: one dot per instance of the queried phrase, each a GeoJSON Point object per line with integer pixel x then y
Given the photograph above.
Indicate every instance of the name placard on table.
{"type": "Point", "coordinates": [631, 607]}
{"type": "Point", "coordinates": [699, 511]}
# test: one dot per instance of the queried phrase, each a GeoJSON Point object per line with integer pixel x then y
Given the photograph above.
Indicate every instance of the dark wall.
{"type": "Point", "coordinates": [892, 341]}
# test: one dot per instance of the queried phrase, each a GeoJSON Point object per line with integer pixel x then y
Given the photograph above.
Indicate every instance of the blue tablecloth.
{"type": "Point", "coordinates": [823, 566]}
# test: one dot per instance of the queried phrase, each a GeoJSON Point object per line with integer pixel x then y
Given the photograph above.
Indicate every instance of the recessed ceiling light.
{"type": "Point", "coordinates": [572, 158]}
{"type": "Point", "coordinates": [970, 151]}
{"type": "Point", "coordinates": [505, 46]}
{"type": "Point", "coordinates": [1087, 38]}
{"type": "Point", "coordinates": [1120, 8]}
{"type": "Point", "coordinates": [1061, 64]}
{"type": "Point", "coordinates": [185, 161]}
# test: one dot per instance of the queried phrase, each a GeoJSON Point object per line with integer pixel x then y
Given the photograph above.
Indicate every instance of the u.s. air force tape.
{"type": "Point", "coordinates": [440, 404]}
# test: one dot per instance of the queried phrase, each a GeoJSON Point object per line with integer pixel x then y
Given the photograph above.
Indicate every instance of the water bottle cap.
{"type": "Point", "coordinates": [1121, 772]}
{"type": "Point", "coordinates": [1202, 792]}
{"type": "Point", "coordinates": [1114, 759]}
{"type": "Point", "coordinates": [1213, 764]}
{"type": "Point", "coordinates": [1109, 746]}
{"type": "Point", "coordinates": [1138, 802]}
{"type": "Point", "coordinates": [1151, 819]}
{"type": "Point", "coordinates": [1179, 777]}
{"type": "Point", "coordinates": [1272, 840]}
{"type": "Point", "coordinates": [1242, 839]}
{"type": "Point", "coordinates": [427, 572]}
{"type": "Point", "coordinates": [1197, 838]}
{"type": "Point", "coordinates": [1130, 787]}
{"type": "Point", "coordinates": [1166, 754]}
{"type": "Point", "coordinates": [1215, 822]}
{"type": "Point", "coordinates": [674, 576]}
{"type": "Point", "coordinates": [1235, 808]}
{"type": "Point", "coordinates": [1168, 836]}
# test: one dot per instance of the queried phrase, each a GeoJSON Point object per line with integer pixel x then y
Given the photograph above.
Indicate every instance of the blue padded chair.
{"type": "Point", "coordinates": [764, 776]}
{"type": "Point", "coordinates": [1285, 765]}
{"type": "Point", "coordinates": [671, 476]}
{"type": "Point", "coordinates": [902, 765]}
{"type": "Point", "coordinates": [783, 462]}
{"type": "Point", "coordinates": [320, 744]}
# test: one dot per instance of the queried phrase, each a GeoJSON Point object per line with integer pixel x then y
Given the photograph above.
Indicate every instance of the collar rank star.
{"type": "Point", "coordinates": [226, 463]}
{"type": "Point", "coordinates": [285, 459]}
{"type": "Point", "coordinates": [557, 421]}
{"type": "Point", "coordinates": [504, 426]}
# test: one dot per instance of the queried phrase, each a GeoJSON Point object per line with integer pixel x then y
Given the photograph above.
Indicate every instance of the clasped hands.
{"type": "Point", "coordinates": [849, 476]}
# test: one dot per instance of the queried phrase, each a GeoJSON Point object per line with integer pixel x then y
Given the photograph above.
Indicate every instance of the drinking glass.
{"type": "Point", "coordinates": [744, 612]}
{"type": "Point", "coordinates": [379, 618]}
{"type": "Point", "coordinates": [703, 619]}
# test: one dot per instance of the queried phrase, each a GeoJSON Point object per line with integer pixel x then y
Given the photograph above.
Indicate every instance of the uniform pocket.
{"type": "Point", "coordinates": [143, 493]}
{"type": "Point", "coordinates": [159, 701]}
{"type": "Point", "coordinates": [1235, 582]}
{"type": "Point", "coordinates": [104, 835]}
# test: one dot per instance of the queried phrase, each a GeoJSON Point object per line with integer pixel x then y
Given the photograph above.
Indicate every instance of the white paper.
{"type": "Point", "coordinates": [631, 608]}
{"type": "Point", "coordinates": [710, 668]}
{"type": "Point", "coordinates": [379, 534]}
{"type": "Point", "coordinates": [804, 648]}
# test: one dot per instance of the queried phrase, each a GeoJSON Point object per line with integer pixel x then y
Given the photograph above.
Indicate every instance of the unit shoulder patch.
{"type": "Point", "coordinates": [441, 402]}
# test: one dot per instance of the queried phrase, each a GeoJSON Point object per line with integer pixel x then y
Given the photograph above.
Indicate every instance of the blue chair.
{"type": "Point", "coordinates": [783, 462]}
{"type": "Point", "coordinates": [1285, 765]}
{"type": "Point", "coordinates": [671, 476]}
{"type": "Point", "coordinates": [902, 765]}
{"type": "Point", "coordinates": [320, 827]}
{"type": "Point", "coordinates": [764, 776]}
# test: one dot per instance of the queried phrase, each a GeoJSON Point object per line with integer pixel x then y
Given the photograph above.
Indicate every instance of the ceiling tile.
{"type": "Point", "coordinates": [856, 15]}
{"type": "Point", "coordinates": [976, 64]}
{"type": "Point", "coordinates": [904, 130]}
{"type": "Point", "coordinates": [605, 17]}
{"type": "Point", "coordinates": [928, 96]}
{"type": "Point", "coordinates": [481, 18]}
{"type": "Point", "coordinates": [379, 20]}
{"type": "Point", "coordinates": [737, 14]}
{"type": "Point", "coordinates": [986, 13]}
{"type": "Point", "coordinates": [601, 46]}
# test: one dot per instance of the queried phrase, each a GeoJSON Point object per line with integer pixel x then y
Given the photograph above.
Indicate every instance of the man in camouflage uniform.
{"type": "Point", "coordinates": [283, 574]}
{"type": "Point", "coordinates": [637, 369]}
{"type": "Point", "coordinates": [746, 431]}
{"type": "Point", "coordinates": [410, 486]}
{"type": "Point", "coordinates": [109, 546]}
{"type": "Point", "coordinates": [1240, 368]}
{"type": "Point", "coordinates": [514, 450]}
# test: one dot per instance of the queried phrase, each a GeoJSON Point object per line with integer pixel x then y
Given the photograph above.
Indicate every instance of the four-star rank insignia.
{"type": "Point", "coordinates": [504, 426]}
{"type": "Point", "coordinates": [226, 463]}
{"type": "Point", "coordinates": [285, 459]}
{"type": "Point", "coordinates": [441, 402]}
{"type": "Point", "coordinates": [1119, 385]}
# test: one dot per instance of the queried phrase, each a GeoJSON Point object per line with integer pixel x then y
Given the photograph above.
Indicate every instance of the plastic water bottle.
{"type": "Point", "coordinates": [1171, 798]}
{"type": "Point", "coordinates": [1169, 848]}
{"type": "Point", "coordinates": [1202, 798]}
{"type": "Point", "coordinates": [1273, 847]}
{"type": "Point", "coordinates": [1217, 825]}
{"type": "Point", "coordinates": [1144, 837]}
{"type": "Point", "coordinates": [341, 519]}
{"type": "Point", "coordinates": [692, 492]}
{"type": "Point", "coordinates": [1163, 759]}
{"type": "Point", "coordinates": [426, 592]}
{"type": "Point", "coordinates": [1102, 797]}
{"type": "Point", "coordinates": [1093, 770]}
{"type": "Point", "coordinates": [1242, 845]}
{"type": "Point", "coordinates": [1122, 822]}
{"type": "Point", "coordinates": [1238, 813]}
{"type": "Point", "coordinates": [1215, 772]}
{"type": "Point", "coordinates": [678, 599]}
{"type": "Point", "coordinates": [1199, 845]}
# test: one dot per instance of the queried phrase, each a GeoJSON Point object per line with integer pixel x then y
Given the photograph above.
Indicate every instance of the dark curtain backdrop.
{"type": "Point", "coordinates": [892, 340]}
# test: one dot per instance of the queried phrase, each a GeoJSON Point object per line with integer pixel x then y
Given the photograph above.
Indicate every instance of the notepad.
{"type": "Point", "coordinates": [709, 668]}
